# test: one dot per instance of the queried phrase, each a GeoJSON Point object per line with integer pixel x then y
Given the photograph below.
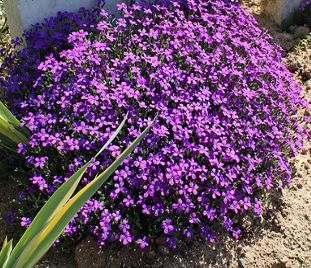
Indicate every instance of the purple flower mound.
{"type": "Point", "coordinates": [227, 122]}
{"type": "Point", "coordinates": [305, 5]}
{"type": "Point", "coordinates": [302, 16]}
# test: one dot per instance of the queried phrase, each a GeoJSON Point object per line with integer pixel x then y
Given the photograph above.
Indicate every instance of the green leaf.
{"type": "Point", "coordinates": [8, 116]}
{"type": "Point", "coordinates": [7, 143]}
{"type": "Point", "coordinates": [5, 252]}
{"type": "Point", "coordinates": [10, 126]}
{"type": "Point", "coordinates": [47, 236]}
{"type": "Point", "coordinates": [9, 131]}
{"type": "Point", "coordinates": [4, 244]}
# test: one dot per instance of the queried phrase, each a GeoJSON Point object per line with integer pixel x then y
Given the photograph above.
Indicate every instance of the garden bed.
{"type": "Point", "coordinates": [280, 237]}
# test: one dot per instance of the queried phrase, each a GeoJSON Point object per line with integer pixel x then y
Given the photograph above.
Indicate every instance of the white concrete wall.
{"type": "Point", "coordinates": [22, 13]}
{"type": "Point", "coordinates": [279, 10]}
{"type": "Point", "coordinates": [289, 6]}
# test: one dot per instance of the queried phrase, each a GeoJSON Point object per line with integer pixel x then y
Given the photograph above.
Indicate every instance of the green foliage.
{"type": "Point", "coordinates": [300, 35]}
{"type": "Point", "coordinates": [11, 133]}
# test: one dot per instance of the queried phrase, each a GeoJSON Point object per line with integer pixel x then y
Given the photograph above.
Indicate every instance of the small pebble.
{"type": "Point", "coordinates": [242, 263]}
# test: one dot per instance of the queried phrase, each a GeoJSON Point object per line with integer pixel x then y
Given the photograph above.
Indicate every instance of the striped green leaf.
{"type": "Point", "coordinates": [10, 126]}
{"type": "Point", "coordinates": [5, 252]}
{"type": "Point", "coordinates": [6, 115]}
{"type": "Point", "coordinates": [11, 132]}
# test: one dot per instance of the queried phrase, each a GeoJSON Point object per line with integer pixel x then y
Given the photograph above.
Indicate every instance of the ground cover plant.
{"type": "Point", "coordinates": [301, 16]}
{"type": "Point", "coordinates": [305, 16]}
{"type": "Point", "coordinates": [227, 123]}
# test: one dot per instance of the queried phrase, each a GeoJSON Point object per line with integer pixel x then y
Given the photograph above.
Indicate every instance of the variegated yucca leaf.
{"type": "Point", "coordinates": [5, 252]}
{"type": "Point", "coordinates": [10, 127]}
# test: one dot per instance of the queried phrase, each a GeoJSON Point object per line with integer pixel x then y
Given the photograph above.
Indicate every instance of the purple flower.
{"type": "Point", "coordinates": [21, 196]}
{"type": "Point", "coordinates": [22, 148]}
{"type": "Point", "coordinates": [12, 216]}
{"type": "Point", "coordinates": [124, 226]}
{"type": "Point", "coordinates": [257, 206]}
{"type": "Point", "coordinates": [171, 242]}
{"type": "Point", "coordinates": [236, 233]}
{"type": "Point", "coordinates": [188, 232]}
{"type": "Point", "coordinates": [40, 161]}
{"type": "Point", "coordinates": [235, 206]}
{"type": "Point", "coordinates": [168, 227]}
{"type": "Point", "coordinates": [126, 238]}
{"type": "Point", "coordinates": [142, 242]}
{"type": "Point", "coordinates": [25, 221]}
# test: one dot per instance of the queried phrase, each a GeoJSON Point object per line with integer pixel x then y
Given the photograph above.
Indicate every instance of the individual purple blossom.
{"type": "Point", "coordinates": [56, 242]}
{"type": "Point", "coordinates": [142, 242]}
{"type": "Point", "coordinates": [235, 206]}
{"type": "Point", "coordinates": [25, 221]}
{"type": "Point", "coordinates": [22, 148]}
{"type": "Point", "coordinates": [128, 201]}
{"type": "Point", "coordinates": [246, 203]}
{"type": "Point", "coordinates": [21, 196]}
{"type": "Point", "coordinates": [11, 218]}
{"type": "Point", "coordinates": [40, 161]}
{"type": "Point", "coordinates": [257, 206]}
{"type": "Point", "coordinates": [126, 238]}
{"type": "Point", "coordinates": [236, 233]}
{"type": "Point", "coordinates": [171, 242]}
{"type": "Point", "coordinates": [124, 226]}
{"type": "Point", "coordinates": [188, 232]}
{"type": "Point", "coordinates": [168, 227]}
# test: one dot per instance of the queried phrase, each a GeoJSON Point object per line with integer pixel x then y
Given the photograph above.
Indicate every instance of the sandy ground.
{"type": "Point", "coordinates": [280, 238]}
